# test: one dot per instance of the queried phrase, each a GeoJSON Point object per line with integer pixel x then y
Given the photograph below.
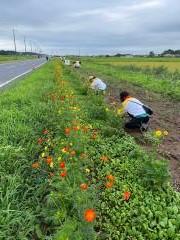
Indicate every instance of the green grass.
{"type": "Point", "coordinates": [25, 112]}
{"type": "Point", "coordinates": [35, 206]}
{"type": "Point", "coordinates": [154, 79]}
{"type": "Point", "coordinates": [8, 58]}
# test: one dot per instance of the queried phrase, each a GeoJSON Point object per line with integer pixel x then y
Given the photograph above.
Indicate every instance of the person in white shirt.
{"type": "Point", "coordinates": [67, 62]}
{"type": "Point", "coordinates": [135, 109]}
{"type": "Point", "coordinates": [97, 84]}
{"type": "Point", "coordinates": [77, 64]}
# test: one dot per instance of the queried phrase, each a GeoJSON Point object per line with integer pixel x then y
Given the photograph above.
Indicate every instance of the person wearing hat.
{"type": "Point", "coordinates": [97, 84]}
{"type": "Point", "coordinates": [77, 64]}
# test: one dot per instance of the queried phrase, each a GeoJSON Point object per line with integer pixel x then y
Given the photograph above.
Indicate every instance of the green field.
{"type": "Point", "coordinates": [149, 73]}
{"type": "Point", "coordinates": [69, 171]}
{"type": "Point", "coordinates": [8, 58]}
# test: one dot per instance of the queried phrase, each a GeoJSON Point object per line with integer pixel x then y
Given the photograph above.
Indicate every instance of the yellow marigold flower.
{"type": "Point", "coordinates": [43, 155]}
{"type": "Point", "coordinates": [165, 133]}
{"type": "Point", "coordinates": [158, 133]}
{"type": "Point", "coordinates": [87, 170]}
{"type": "Point", "coordinates": [120, 111]}
{"type": "Point", "coordinates": [51, 165]}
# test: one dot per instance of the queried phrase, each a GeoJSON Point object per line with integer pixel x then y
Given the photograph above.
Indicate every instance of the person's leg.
{"type": "Point", "coordinates": [133, 124]}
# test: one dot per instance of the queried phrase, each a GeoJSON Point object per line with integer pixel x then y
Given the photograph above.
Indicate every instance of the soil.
{"type": "Point", "coordinates": [166, 117]}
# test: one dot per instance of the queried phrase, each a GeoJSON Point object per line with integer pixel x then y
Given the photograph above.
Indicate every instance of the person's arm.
{"type": "Point", "coordinates": [121, 111]}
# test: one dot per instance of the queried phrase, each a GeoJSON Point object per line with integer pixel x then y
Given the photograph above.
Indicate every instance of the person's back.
{"type": "Point", "coordinates": [77, 64]}
{"type": "Point", "coordinates": [98, 84]}
{"type": "Point", "coordinates": [134, 107]}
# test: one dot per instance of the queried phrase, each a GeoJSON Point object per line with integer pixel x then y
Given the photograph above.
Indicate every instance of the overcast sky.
{"type": "Point", "coordinates": [91, 26]}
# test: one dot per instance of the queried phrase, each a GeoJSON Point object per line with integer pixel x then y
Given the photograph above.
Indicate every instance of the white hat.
{"type": "Point", "coordinates": [91, 77]}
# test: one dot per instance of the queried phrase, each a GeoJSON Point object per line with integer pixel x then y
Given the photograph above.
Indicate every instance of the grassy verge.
{"type": "Point", "coordinates": [8, 58]}
{"type": "Point", "coordinates": [25, 112]}
{"type": "Point", "coordinates": [157, 80]}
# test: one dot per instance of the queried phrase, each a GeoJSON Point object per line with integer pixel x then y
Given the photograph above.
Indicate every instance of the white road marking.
{"type": "Point", "coordinates": [7, 82]}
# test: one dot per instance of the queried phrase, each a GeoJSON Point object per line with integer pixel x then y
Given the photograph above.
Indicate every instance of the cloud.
{"type": "Point", "coordinates": [93, 26]}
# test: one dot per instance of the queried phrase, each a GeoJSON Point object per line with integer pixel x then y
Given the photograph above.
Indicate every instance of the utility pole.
{"type": "Point", "coordinates": [31, 46]}
{"type": "Point", "coordinates": [24, 44]}
{"type": "Point", "coordinates": [14, 38]}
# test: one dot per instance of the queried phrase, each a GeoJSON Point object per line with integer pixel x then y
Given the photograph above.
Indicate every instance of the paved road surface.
{"type": "Point", "coordinates": [12, 70]}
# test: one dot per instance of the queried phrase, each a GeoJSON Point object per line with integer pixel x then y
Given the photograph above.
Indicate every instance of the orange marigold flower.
{"type": "Point", "coordinates": [63, 174]}
{"type": "Point", "coordinates": [84, 186]}
{"type": "Point", "coordinates": [67, 131]}
{"type": "Point", "coordinates": [104, 158]}
{"type": "Point", "coordinates": [110, 178]}
{"type": "Point", "coordinates": [76, 128]}
{"type": "Point", "coordinates": [49, 160]}
{"type": "Point", "coordinates": [126, 196]}
{"type": "Point", "coordinates": [109, 184]}
{"type": "Point", "coordinates": [62, 165]}
{"type": "Point", "coordinates": [35, 165]}
{"type": "Point", "coordinates": [89, 215]}
{"type": "Point", "coordinates": [40, 141]}
{"type": "Point", "coordinates": [45, 131]}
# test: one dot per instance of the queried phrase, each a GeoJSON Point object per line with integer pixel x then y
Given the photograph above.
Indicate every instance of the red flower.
{"type": "Point", "coordinates": [63, 174]}
{"type": "Point", "coordinates": [104, 158]}
{"type": "Point", "coordinates": [62, 165]}
{"type": "Point", "coordinates": [40, 141]}
{"type": "Point", "coordinates": [126, 196]}
{"type": "Point", "coordinates": [35, 165]}
{"type": "Point", "coordinates": [67, 131]}
{"type": "Point", "coordinates": [76, 128]}
{"type": "Point", "coordinates": [89, 215]}
{"type": "Point", "coordinates": [45, 131]}
{"type": "Point", "coordinates": [49, 160]}
{"type": "Point", "coordinates": [84, 186]}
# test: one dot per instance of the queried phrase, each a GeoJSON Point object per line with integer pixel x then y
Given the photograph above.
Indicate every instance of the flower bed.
{"type": "Point", "coordinates": [102, 185]}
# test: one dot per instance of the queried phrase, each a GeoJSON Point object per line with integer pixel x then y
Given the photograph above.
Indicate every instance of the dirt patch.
{"type": "Point", "coordinates": [166, 117]}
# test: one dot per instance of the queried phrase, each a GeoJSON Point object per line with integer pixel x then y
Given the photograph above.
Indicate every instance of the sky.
{"type": "Point", "coordinates": [88, 27]}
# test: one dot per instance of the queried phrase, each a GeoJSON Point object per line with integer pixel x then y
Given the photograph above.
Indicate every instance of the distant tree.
{"type": "Point", "coordinates": [169, 51]}
{"type": "Point", "coordinates": [151, 54]}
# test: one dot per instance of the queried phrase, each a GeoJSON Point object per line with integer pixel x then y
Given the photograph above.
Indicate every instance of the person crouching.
{"type": "Point", "coordinates": [97, 84]}
{"type": "Point", "coordinates": [135, 109]}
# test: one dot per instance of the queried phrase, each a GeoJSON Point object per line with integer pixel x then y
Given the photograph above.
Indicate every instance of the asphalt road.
{"type": "Point", "coordinates": [13, 70]}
